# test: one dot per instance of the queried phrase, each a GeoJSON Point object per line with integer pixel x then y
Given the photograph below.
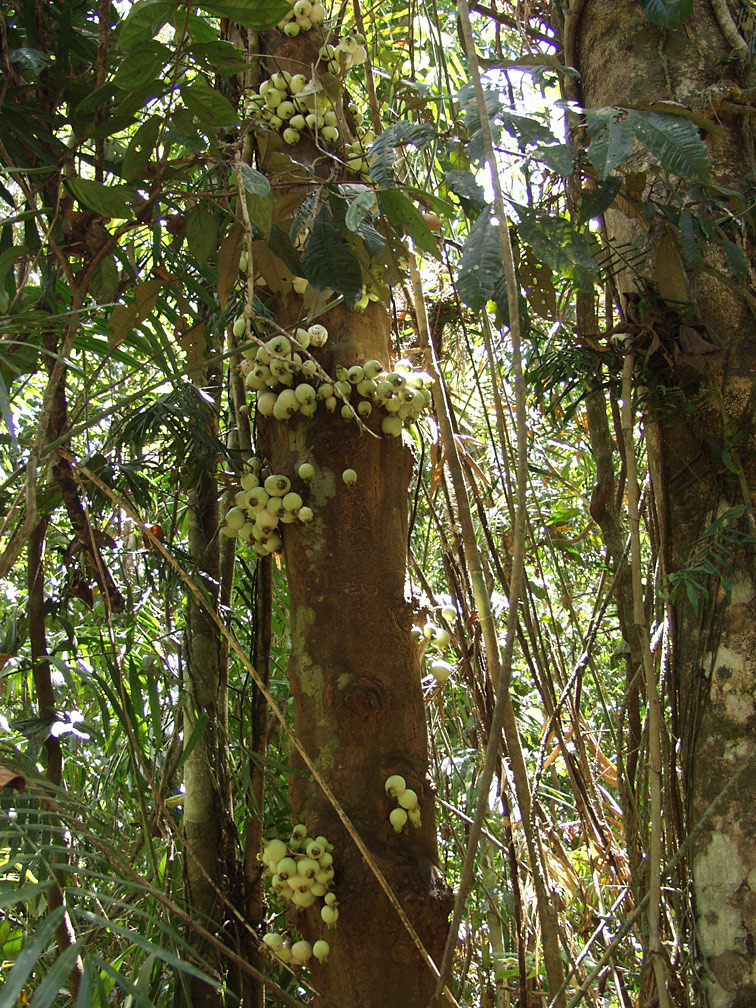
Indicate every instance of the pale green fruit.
{"type": "Point", "coordinates": [317, 14]}
{"type": "Point", "coordinates": [331, 403]}
{"type": "Point", "coordinates": [298, 122]}
{"type": "Point", "coordinates": [257, 498]}
{"type": "Point", "coordinates": [326, 859]}
{"type": "Point", "coordinates": [330, 899]}
{"type": "Point", "coordinates": [286, 109]}
{"type": "Point", "coordinates": [303, 898]}
{"type": "Point", "coordinates": [301, 952]}
{"type": "Point", "coordinates": [249, 481]}
{"type": "Point", "coordinates": [290, 135]}
{"type": "Point", "coordinates": [306, 471]}
{"type": "Point", "coordinates": [343, 388]}
{"type": "Point", "coordinates": [318, 335]}
{"type": "Point", "coordinates": [277, 485]}
{"type": "Point", "coordinates": [240, 326]}
{"type": "Point", "coordinates": [349, 476]}
{"type": "Point", "coordinates": [273, 940]}
{"type": "Point", "coordinates": [384, 390]}
{"type": "Point", "coordinates": [292, 502]}
{"type": "Point", "coordinates": [395, 379]}
{"type": "Point", "coordinates": [347, 413]}
{"type": "Point", "coordinates": [274, 506]}
{"type": "Point", "coordinates": [355, 374]}
{"type": "Point", "coordinates": [308, 866]}
{"type": "Point", "coordinates": [392, 405]}
{"type": "Point", "coordinates": [330, 134]}
{"type": "Point", "coordinates": [279, 345]}
{"type": "Point", "coordinates": [320, 950]}
{"type": "Point", "coordinates": [273, 98]}
{"type": "Point", "coordinates": [235, 518]}
{"type": "Point", "coordinates": [304, 23]}
{"type": "Point", "coordinates": [329, 118]}
{"type": "Point", "coordinates": [314, 850]}
{"type": "Point", "coordinates": [287, 867]}
{"type": "Point", "coordinates": [366, 387]}
{"type": "Point", "coordinates": [394, 785]}
{"type": "Point", "coordinates": [297, 82]}
{"type": "Point", "coordinates": [266, 402]}
{"type": "Point", "coordinates": [240, 499]}
{"type": "Point", "coordinates": [364, 409]}
{"type": "Point", "coordinates": [449, 613]}
{"type": "Point", "coordinates": [305, 515]}
{"type": "Point", "coordinates": [414, 817]}
{"type": "Point", "coordinates": [398, 819]}
{"type": "Point", "coordinates": [291, 29]}
{"type": "Point", "coordinates": [441, 671]}
{"type": "Point", "coordinates": [274, 850]}
{"type": "Point", "coordinates": [305, 393]}
{"type": "Point", "coordinates": [441, 638]}
{"type": "Point", "coordinates": [407, 799]}
{"type": "Point", "coordinates": [286, 406]}
{"type": "Point", "coordinates": [302, 8]}
{"type": "Point", "coordinates": [325, 391]}
{"type": "Point", "coordinates": [329, 915]}
{"type": "Point", "coordinates": [266, 519]}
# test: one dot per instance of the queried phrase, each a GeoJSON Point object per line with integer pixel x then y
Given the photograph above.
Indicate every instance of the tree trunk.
{"type": "Point", "coordinates": [701, 452]}
{"type": "Point", "coordinates": [355, 675]}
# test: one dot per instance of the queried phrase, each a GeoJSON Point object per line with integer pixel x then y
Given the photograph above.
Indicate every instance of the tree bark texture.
{"type": "Point", "coordinates": [699, 429]}
{"type": "Point", "coordinates": [355, 675]}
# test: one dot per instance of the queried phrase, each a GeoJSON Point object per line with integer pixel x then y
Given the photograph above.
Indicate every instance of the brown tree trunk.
{"type": "Point", "coordinates": [702, 458]}
{"type": "Point", "coordinates": [358, 705]}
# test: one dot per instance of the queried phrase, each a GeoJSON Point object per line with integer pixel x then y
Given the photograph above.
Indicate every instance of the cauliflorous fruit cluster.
{"type": "Point", "coordinates": [301, 873]}
{"type": "Point", "coordinates": [260, 508]}
{"type": "Point", "coordinates": [438, 638]}
{"type": "Point", "coordinates": [407, 807]}
{"type": "Point", "coordinates": [302, 16]}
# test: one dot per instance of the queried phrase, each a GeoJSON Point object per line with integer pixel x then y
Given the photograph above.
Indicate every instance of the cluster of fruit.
{"type": "Point", "coordinates": [407, 807]}
{"type": "Point", "coordinates": [438, 637]}
{"type": "Point", "coordinates": [259, 509]}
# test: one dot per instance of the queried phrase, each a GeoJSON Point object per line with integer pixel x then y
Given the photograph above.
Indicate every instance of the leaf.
{"type": "Point", "coordinates": [219, 57]}
{"type": "Point", "coordinates": [139, 151]}
{"type": "Point", "coordinates": [464, 185]}
{"type": "Point", "coordinates": [559, 157]}
{"type": "Point", "coordinates": [329, 261]}
{"type": "Point", "coordinates": [280, 244]}
{"type": "Point", "coordinates": [667, 13]}
{"type": "Point", "coordinates": [208, 105]}
{"type": "Point", "coordinates": [480, 265]}
{"type": "Point", "coordinates": [144, 21]}
{"type": "Point", "coordinates": [612, 139]}
{"type": "Point", "coordinates": [359, 210]}
{"type": "Point", "coordinates": [260, 210]}
{"type": "Point", "coordinates": [201, 234]}
{"type": "Point", "coordinates": [688, 241]}
{"type": "Point", "coordinates": [141, 65]}
{"type": "Point", "coordinates": [255, 14]}
{"type": "Point", "coordinates": [102, 199]}
{"type": "Point", "coordinates": [382, 150]}
{"type": "Point", "coordinates": [254, 181]}
{"type": "Point", "coordinates": [405, 217]}
{"type": "Point", "coordinates": [32, 949]}
{"type": "Point", "coordinates": [55, 978]}
{"type": "Point", "coordinates": [736, 259]}
{"type": "Point", "coordinates": [228, 263]}
{"type": "Point", "coordinates": [595, 201]}
{"type": "Point", "coordinates": [555, 241]}
{"type": "Point", "coordinates": [671, 281]}
{"type": "Point", "coordinates": [674, 140]}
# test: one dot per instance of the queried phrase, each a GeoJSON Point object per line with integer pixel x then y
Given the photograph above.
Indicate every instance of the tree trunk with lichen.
{"type": "Point", "coordinates": [699, 406]}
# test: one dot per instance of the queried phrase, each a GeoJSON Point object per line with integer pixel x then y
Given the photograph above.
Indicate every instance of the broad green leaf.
{"type": "Point", "coordinates": [674, 140]}
{"type": "Point", "coordinates": [667, 13]}
{"type": "Point", "coordinates": [102, 199]}
{"type": "Point", "coordinates": [559, 157]}
{"type": "Point", "coordinates": [329, 262]}
{"type": "Point", "coordinates": [139, 151]}
{"type": "Point", "coordinates": [255, 14]}
{"type": "Point", "coordinates": [736, 259]}
{"type": "Point", "coordinates": [254, 181]}
{"type": "Point", "coordinates": [219, 57]}
{"type": "Point", "coordinates": [404, 216]}
{"type": "Point", "coordinates": [359, 210]}
{"type": "Point", "coordinates": [688, 241]}
{"type": "Point", "coordinates": [141, 65]}
{"type": "Point", "coordinates": [201, 234]}
{"type": "Point", "coordinates": [260, 209]}
{"type": "Point", "coordinates": [144, 21]}
{"type": "Point", "coordinates": [596, 201]}
{"type": "Point", "coordinates": [32, 949]}
{"type": "Point", "coordinates": [555, 241]}
{"type": "Point", "coordinates": [480, 266]}
{"type": "Point", "coordinates": [373, 239]}
{"type": "Point", "coordinates": [382, 150]}
{"type": "Point", "coordinates": [464, 185]}
{"type": "Point", "coordinates": [611, 139]}
{"type": "Point", "coordinates": [208, 105]}
{"type": "Point", "coordinates": [282, 246]}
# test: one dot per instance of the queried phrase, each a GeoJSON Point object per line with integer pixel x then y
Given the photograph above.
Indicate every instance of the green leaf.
{"type": "Point", "coordinates": [329, 262]}
{"type": "Point", "coordinates": [25, 893]}
{"type": "Point", "coordinates": [144, 21]}
{"type": "Point", "coordinates": [32, 949]}
{"type": "Point", "coordinates": [667, 13]}
{"type": "Point", "coordinates": [55, 978]}
{"type": "Point", "coordinates": [674, 140]}
{"type": "Point", "coordinates": [382, 150]}
{"type": "Point", "coordinates": [559, 157]}
{"type": "Point", "coordinates": [260, 210]}
{"type": "Point", "coordinates": [254, 181]}
{"type": "Point", "coordinates": [404, 216]}
{"type": "Point", "coordinates": [139, 151]}
{"type": "Point", "coordinates": [102, 199]}
{"type": "Point", "coordinates": [255, 14]}
{"type": "Point", "coordinates": [219, 57]}
{"type": "Point", "coordinates": [208, 105]}
{"type": "Point", "coordinates": [736, 259]}
{"type": "Point", "coordinates": [360, 210]}
{"type": "Point", "coordinates": [470, 193]}
{"type": "Point", "coordinates": [281, 245]}
{"type": "Point", "coordinates": [596, 201]}
{"type": "Point", "coordinates": [141, 65]}
{"type": "Point", "coordinates": [688, 241]}
{"type": "Point", "coordinates": [201, 234]}
{"type": "Point", "coordinates": [480, 265]}
{"type": "Point", "coordinates": [555, 241]}
{"type": "Point", "coordinates": [612, 139]}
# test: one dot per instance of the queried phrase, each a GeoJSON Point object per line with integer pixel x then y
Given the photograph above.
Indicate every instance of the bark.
{"type": "Point", "coordinates": [702, 462]}
{"type": "Point", "coordinates": [355, 676]}
{"type": "Point", "coordinates": [207, 803]}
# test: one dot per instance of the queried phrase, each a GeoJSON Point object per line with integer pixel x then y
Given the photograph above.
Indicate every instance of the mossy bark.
{"type": "Point", "coordinates": [699, 424]}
